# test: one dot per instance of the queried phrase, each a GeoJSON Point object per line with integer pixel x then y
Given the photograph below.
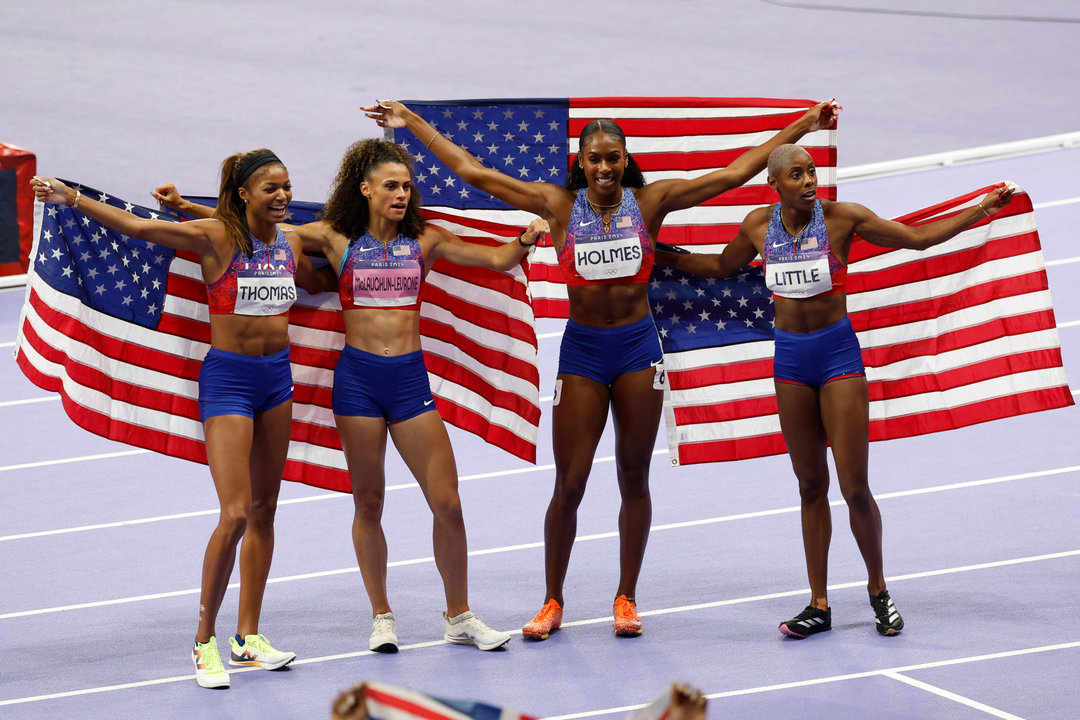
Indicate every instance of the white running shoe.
{"type": "Point", "coordinates": [257, 652]}
{"type": "Point", "coordinates": [209, 672]}
{"type": "Point", "coordinates": [383, 634]}
{"type": "Point", "coordinates": [467, 629]}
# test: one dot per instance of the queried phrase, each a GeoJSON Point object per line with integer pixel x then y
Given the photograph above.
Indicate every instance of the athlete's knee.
{"type": "Point", "coordinates": [569, 489]}
{"type": "Point", "coordinates": [634, 486]}
{"type": "Point", "coordinates": [369, 506]}
{"type": "Point", "coordinates": [813, 487]}
{"type": "Point", "coordinates": [446, 507]}
{"type": "Point", "coordinates": [857, 495]}
{"type": "Point", "coordinates": [233, 521]}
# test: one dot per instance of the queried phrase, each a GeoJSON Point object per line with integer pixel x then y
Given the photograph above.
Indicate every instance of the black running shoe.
{"type": "Point", "coordinates": [809, 621]}
{"type": "Point", "coordinates": [889, 621]}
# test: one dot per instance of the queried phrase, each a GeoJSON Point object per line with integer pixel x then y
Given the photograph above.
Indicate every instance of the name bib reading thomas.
{"type": "Point", "coordinates": [272, 295]}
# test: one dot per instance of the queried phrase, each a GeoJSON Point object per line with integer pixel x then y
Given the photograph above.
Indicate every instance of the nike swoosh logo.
{"type": "Point", "coordinates": [368, 248]}
{"type": "Point", "coordinates": [586, 223]}
{"type": "Point", "coordinates": [428, 402]}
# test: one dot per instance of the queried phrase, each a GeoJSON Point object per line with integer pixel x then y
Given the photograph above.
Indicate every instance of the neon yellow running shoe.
{"type": "Point", "coordinates": [209, 672]}
{"type": "Point", "coordinates": [257, 652]}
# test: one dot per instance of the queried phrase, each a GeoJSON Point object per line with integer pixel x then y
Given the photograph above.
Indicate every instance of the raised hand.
{"type": "Point", "coordinates": [387, 113]}
{"type": "Point", "coordinates": [823, 115]}
{"type": "Point", "coordinates": [51, 190]}
{"type": "Point", "coordinates": [996, 199]}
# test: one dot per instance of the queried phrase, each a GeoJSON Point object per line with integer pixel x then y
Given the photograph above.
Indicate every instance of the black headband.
{"type": "Point", "coordinates": [253, 162]}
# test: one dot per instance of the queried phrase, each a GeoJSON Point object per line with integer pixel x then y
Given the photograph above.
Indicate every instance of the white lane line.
{"type": "Point", "coordinates": [940, 692]}
{"type": "Point", "coordinates": [886, 672]}
{"type": "Point", "coordinates": [1062, 261]}
{"type": "Point", "coordinates": [64, 461]}
{"type": "Point", "coordinates": [837, 678]}
{"type": "Point", "coordinates": [1056, 203]}
{"type": "Point", "coordinates": [1071, 323]}
{"type": "Point", "coordinates": [7, 344]}
{"type": "Point", "coordinates": [544, 468]}
{"type": "Point", "coordinates": [28, 401]}
{"type": "Point", "coordinates": [537, 545]}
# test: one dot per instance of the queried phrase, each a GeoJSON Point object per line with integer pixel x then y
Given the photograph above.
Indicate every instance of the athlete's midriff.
{"type": "Point", "coordinates": [248, 334]}
{"type": "Point", "coordinates": [608, 305]}
{"type": "Point", "coordinates": [383, 331]}
{"type": "Point", "coordinates": [809, 314]}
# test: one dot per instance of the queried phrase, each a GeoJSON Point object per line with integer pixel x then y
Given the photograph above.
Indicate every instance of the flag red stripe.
{"type": "Point", "coordinates": [115, 428]}
{"type": "Point", "coordinates": [459, 375]}
{"type": "Point", "coordinates": [956, 339]}
{"type": "Point", "coordinates": [471, 421]}
{"type": "Point", "coordinates": [689, 102]}
{"type": "Point", "coordinates": [943, 265]}
{"type": "Point", "coordinates": [974, 296]}
{"type": "Point", "coordinates": [675, 127]}
{"type": "Point", "coordinates": [711, 160]}
{"type": "Point", "coordinates": [130, 353]}
{"type": "Point", "coordinates": [972, 414]}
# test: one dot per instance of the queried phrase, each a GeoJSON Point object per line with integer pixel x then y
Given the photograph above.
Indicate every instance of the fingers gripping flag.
{"type": "Point", "coordinates": [952, 336]}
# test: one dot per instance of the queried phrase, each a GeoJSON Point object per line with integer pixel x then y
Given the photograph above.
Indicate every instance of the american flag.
{"type": "Point", "coordinates": [390, 702]}
{"type": "Point", "coordinates": [959, 334]}
{"type": "Point", "coordinates": [119, 328]}
{"type": "Point", "coordinates": [534, 140]}
{"type": "Point", "coordinates": [382, 701]}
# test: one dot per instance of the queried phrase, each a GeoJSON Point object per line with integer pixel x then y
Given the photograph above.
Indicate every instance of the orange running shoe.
{"type": "Point", "coordinates": [627, 622]}
{"type": "Point", "coordinates": [546, 621]}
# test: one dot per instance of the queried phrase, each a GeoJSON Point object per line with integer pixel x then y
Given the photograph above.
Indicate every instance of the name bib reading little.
{"type": "Point", "coordinates": [798, 276]}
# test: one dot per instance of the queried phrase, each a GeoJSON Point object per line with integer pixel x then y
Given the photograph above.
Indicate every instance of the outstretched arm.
{"type": "Point", "coordinates": [680, 194]}
{"type": "Point", "coordinates": [451, 247]}
{"type": "Point", "coordinates": [736, 255]}
{"type": "Point", "coordinates": [192, 236]}
{"type": "Point", "coordinates": [533, 197]}
{"type": "Point", "coordinates": [171, 198]}
{"type": "Point", "coordinates": [890, 234]}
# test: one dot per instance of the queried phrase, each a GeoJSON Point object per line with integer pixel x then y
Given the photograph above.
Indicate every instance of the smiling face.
{"type": "Point", "coordinates": [268, 193]}
{"type": "Point", "coordinates": [603, 160]}
{"type": "Point", "coordinates": [794, 178]}
{"type": "Point", "coordinates": [388, 188]}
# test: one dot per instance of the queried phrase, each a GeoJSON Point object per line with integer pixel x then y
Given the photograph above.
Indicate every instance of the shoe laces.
{"type": "Point", "coordinates": [626, 608]}
{"type": "Point", "coordinates": [548, 612]}
{"type": "Point", "coordinates": [383, 623]}
{"type": "Point", "coordinates": [809, 612]}
{"type": "Point", "coordinates": [211, 657]}
{"type": "Point", "coordinates": [259, 643]}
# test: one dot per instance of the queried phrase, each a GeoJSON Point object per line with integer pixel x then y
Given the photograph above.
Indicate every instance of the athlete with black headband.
{"type": "Point", "coordinates": [251, 269]}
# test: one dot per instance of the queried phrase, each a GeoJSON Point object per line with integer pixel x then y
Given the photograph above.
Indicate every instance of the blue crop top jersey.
{"type": "Point", "coordinates": [596, 255]}
{"type": "Point", "coordinates": [804, 266]}
{"type": "Point", "coordinates": [375, 274]}
{"type": "Point", "coordinates": [262, 284]}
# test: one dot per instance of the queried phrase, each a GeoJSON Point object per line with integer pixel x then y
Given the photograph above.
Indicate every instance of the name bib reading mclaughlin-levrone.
{"type": "Point", "coordinates": [609, 255]}
{"type": "Point", "coordinates": [272, 295]}
{"type": "Point", "coordinates": [385, 287]}
{"type": "Point", "coordinates": [798, 276]}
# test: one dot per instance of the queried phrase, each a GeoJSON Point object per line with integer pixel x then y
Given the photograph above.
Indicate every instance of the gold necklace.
{"type": "Point", "coordinates": [598, 208]}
